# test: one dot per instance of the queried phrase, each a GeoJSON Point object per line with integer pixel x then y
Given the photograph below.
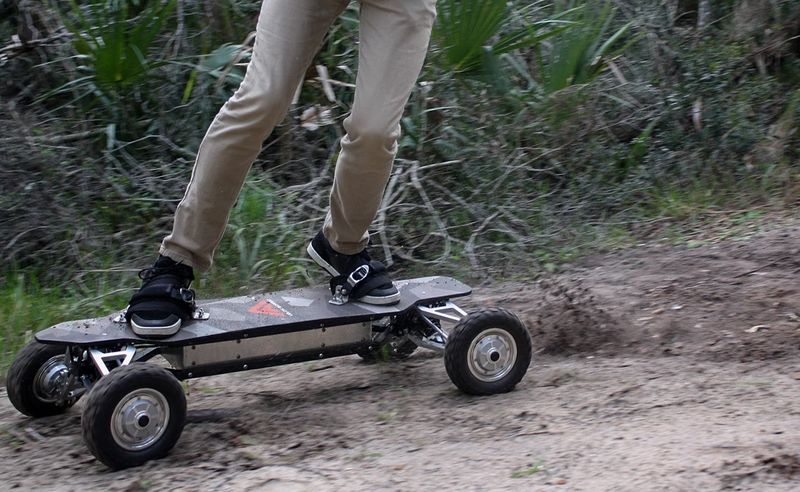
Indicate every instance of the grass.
{"type": "Point", "coordinates": [26, 307]}
{"type": "Point", "coordinates": [259, 250]}
{"type": "Point", "coordinates": [365, 455]}
{"type": "Point", "coordinates": [258, 253]}
{"type": "Point", "coordinates": [11, 440]}
{"type": "Point", "coordinates": [384, 417]}
{"type": "Point", "coordinates": [527, 472]}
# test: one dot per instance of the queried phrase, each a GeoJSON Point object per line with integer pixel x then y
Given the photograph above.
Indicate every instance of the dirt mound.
{"type": "Point", "coordinates": [730, 300]}
{"type": "Point", "coordinates": [737, 299]}
{"type": "Point", "coordinates": [739, 473]}
{"type": "Point", "coordinates": [565, 318]}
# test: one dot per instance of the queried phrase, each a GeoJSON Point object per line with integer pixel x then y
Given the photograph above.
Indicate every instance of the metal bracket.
{"type": "Point", "coordinates": [121, 317]}
{"type": "Point", "coordinates": [426, 342]}
{"type": "Point", "coordinates": [123, 358]}
{"type": "Point", "coordinates": [381, 329]}
{"type": "Point", "coordinates": [145, 354]}
{"type": "Point", "coordinates": [200, 313]}
{"type": "Point", "coordinates": [440, 312]}
{"type": "Point", "coordinates": [339, 297]}
{"type": "Point", "coordinates": [447, 312]}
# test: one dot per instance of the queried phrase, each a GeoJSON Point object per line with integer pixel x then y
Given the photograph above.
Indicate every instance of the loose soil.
{"type": "Point", "coordinates": [656, 368]}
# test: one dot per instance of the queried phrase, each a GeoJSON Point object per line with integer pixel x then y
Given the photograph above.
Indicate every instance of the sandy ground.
{"type": "Point", "coordinates": [657, 368]}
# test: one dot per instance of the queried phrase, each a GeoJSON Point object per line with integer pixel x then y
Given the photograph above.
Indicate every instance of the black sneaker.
{"type": "Point", "coordinates": [164, 300]}
{"type": "Point", "coordinates": [362, 278]}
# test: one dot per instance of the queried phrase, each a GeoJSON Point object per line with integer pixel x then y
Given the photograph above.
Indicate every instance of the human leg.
{"type": "Point", "coordinates": [394, 37]}
{"type": "Point", "coordinates": [288, 34]}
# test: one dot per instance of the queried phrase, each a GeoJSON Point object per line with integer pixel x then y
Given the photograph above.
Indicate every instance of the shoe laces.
{"type": "Point", "coordinates": [148, 274]}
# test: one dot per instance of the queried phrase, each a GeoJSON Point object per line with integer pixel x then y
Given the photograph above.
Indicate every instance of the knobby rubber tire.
{"type": "Point", "coordinates": [456, 352]}
{"type": "Point", "coordinates": [22, 374]}
{"type": "Point", "coordinates": [103, 399]}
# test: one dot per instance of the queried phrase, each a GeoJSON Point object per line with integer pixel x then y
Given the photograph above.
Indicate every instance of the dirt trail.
{"type": "Point", "coordinates": [658, 368]}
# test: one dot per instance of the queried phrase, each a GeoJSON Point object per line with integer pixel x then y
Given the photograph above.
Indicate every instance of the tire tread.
{"type": "Point", "coordinates": [458, 344]}
{"type": "Point", "coordinates": [102, 446]}
{"type": "Point", "coordinates": [19, 380]}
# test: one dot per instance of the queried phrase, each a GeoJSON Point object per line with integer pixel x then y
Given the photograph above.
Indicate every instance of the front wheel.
{"type": "Point", "coordinates": [134, 414]}
{"type": "Point", "coordinates": [37, 378]}
{"type": "Point", "coordinates": [488, 352]}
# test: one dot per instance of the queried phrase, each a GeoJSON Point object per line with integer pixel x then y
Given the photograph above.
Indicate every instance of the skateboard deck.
{"type": "Point", "coordinates": [259, 315]}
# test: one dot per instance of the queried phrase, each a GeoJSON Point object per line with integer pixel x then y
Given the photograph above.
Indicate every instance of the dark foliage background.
{"type": "Point", "coordinates": [550, 130]}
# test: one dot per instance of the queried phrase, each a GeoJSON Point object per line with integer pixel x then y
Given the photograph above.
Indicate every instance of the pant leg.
{"type": "Point", "coordinates": [288, 35]}
{"type": "Point", "coordinates": [394, 36]}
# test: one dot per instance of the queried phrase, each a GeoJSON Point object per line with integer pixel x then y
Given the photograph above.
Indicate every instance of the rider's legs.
{"type": "Point", "coordinates": [288, 35]}
{"type": "Point", "coordinates": [394, 36]}
{"type": "Point", "coordinates": [394, 40]}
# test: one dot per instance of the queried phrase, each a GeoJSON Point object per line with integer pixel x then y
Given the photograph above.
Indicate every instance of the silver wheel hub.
{"type": "Point", "coordinates": [50, 379]}
{"type": "Point", "coordinates": [139, 419]}
{"type": "Point", "coordinates": [492, 355]}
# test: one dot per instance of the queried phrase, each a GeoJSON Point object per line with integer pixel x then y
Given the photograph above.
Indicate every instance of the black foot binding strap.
{"type": "Point", "coordinates": [159, 308]}
{"type": "Point", "coordinates": [368, 283]}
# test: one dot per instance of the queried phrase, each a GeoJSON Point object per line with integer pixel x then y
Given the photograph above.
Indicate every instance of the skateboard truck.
{"type": "Point", "coordinates": [437, 338]}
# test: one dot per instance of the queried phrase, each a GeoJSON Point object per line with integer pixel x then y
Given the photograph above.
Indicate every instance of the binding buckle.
{"type": "Point", "coordinates": [358, 275]}
{"type": "Point", "coordinates": [187, 295]}
{"type": "Point", "coordinates": [342, 287]}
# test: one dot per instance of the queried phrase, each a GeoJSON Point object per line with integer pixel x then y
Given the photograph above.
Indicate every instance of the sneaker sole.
{"type": "Point", "coordinates": [379, 301]}
{"type": "Point", "coordinates": [155, 331]}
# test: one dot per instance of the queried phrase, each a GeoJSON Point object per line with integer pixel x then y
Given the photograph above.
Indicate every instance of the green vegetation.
{"type": "Point", "coordinates": [113, 41]}
{"type": "Point", "coordinates": [26, 306]}
{"type": "Point", "coordinates": [540, 131]}
{"type": "Point", "coordinates": [527, 472]}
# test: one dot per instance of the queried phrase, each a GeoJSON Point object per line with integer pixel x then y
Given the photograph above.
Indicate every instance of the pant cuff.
{"type": "Point", "coordinates": [186, 259]}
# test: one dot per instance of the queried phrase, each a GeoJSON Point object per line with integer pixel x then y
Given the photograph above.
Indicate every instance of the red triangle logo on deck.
{"type": "Point", "coordinates": [267, 308]}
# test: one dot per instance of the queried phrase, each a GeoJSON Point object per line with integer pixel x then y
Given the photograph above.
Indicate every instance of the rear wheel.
{"type": "Point", "coordinates": [134, 414]}
{"type": "Point", "coordinates": [488, 352]}
{"type": "Point", "coordinates": [37, 380]}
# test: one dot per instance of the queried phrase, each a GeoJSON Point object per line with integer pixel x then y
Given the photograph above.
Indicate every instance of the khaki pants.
{"type": "Point", "coordinates": [394, 36]}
